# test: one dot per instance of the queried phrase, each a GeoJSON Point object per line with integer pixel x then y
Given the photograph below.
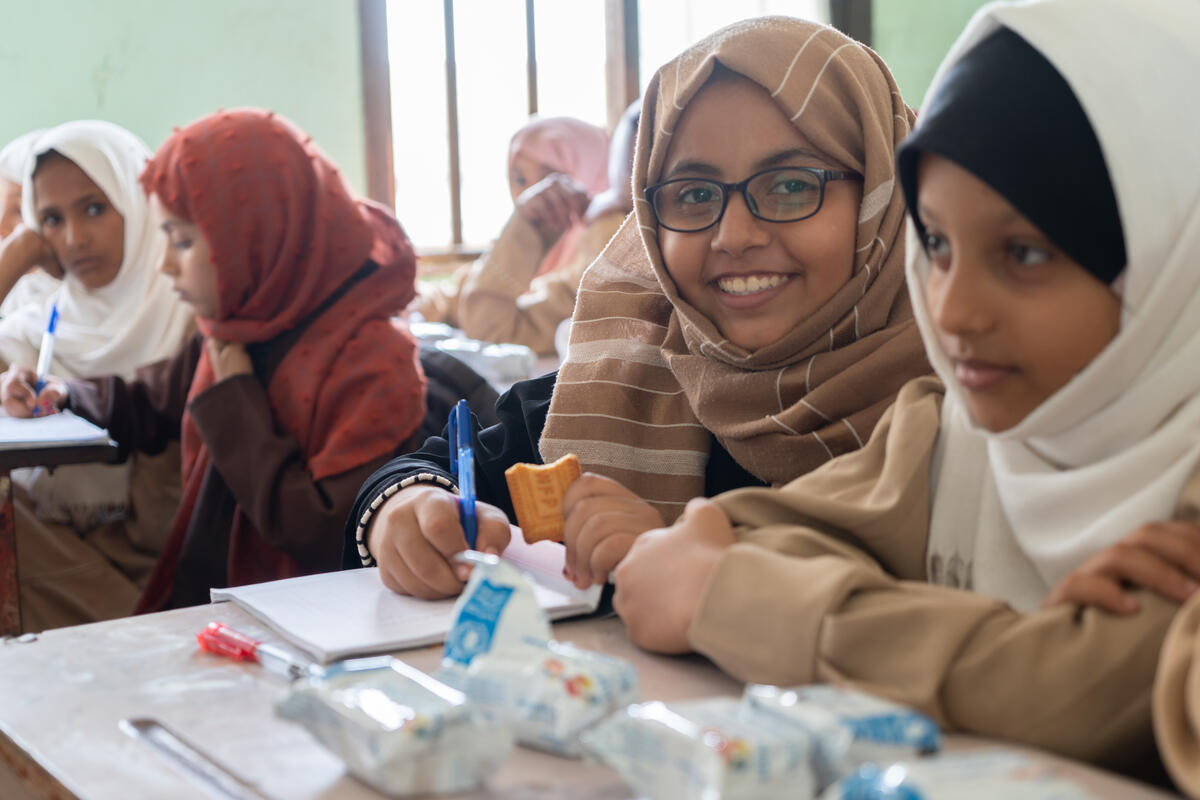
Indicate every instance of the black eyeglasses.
{"type": "Point", "coordinates": [782, 194]}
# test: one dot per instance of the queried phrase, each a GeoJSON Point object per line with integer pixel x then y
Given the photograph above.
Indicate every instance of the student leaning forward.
{"type": "Point", "coordinates": [299, 384]}
{"type": "Point", "coordinates": [972, 560]}
{"type": "Point", "coordinates": [748, 323]}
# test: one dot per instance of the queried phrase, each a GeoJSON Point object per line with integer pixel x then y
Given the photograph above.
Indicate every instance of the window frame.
{"type": "Point", "coordinates": [622, 80]}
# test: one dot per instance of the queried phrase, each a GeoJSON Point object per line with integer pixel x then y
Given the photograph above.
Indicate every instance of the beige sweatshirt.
{"type": "Point", "coordinates": [500, 297]}
{"type": "Point", "coordinates": [827, 583]}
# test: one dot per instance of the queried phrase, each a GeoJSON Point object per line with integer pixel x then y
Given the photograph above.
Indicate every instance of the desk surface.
{"type": "Point", "coordinates": [64, 693]}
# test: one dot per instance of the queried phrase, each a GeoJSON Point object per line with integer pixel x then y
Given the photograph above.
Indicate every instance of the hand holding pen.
{"type": "Point", "coordinates": [20, 398]}
{"type": "Point", "coordinates": [415, 534]}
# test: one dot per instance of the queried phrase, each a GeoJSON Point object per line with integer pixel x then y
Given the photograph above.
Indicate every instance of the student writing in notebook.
{"type": "Point", "coordinates": [747, 323]}
{"type": "Point", "coordinates": [1059, 297]}
{"type": "Point", "coordinates": [298, 385]}
{"type": "Point", "coordinates": [88, 535]}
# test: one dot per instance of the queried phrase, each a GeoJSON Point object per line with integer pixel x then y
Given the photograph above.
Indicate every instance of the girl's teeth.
{"type": "Point", "coordinates": [751, 285]}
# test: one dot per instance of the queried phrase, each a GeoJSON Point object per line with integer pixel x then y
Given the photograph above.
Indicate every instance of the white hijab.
{"type": "Point", "coordinates": [16, 155]}
{"type": "Point", "coordinates": [1014, 512]}
{"type": "Point", "coordinates": [37, 285]}
{"type": "Point", "coordinates": [135, 320]}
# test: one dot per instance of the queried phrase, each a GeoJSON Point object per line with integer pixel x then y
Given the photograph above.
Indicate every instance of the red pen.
{"type": "Point", "coordinates": [223, 640]}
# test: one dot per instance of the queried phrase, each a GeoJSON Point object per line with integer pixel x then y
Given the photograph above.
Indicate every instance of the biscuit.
{"type": "Point", "coordinates": [537, 495]}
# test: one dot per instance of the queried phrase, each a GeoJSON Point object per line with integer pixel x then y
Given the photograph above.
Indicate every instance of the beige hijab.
{"type": "Point", "coordinates": [647, 377]}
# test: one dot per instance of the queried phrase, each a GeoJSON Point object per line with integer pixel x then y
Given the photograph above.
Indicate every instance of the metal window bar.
{"type": "Point", "coordinates": [622, 69]}
{"type": "Point", "coordinates": [452, 125]}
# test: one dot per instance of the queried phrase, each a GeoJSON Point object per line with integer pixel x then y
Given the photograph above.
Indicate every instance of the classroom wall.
{"type": "Point", "coordinates": [914, 35]}
{"type": "Point", "coordinates": [152, 64]}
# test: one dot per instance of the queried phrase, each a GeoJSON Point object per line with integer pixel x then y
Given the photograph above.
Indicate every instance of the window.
{"type": "Point", "coordinates": [451, 118]}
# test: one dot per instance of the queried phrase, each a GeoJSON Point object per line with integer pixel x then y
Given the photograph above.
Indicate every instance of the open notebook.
{"type": "Point", "coordinates": [350, 613]}
{"type": "Point", "coordinates": [52, 430]}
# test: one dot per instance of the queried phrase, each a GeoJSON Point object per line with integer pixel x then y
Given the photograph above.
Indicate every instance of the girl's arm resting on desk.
{"type": "Point", "coordinates": [1076, 682]}
{"type": "Point", "coordinates": [268, 476]}
{"type": "Point", "coordinates": [142, 415]}
{"type": "Point", "coordinates": [836, 607]}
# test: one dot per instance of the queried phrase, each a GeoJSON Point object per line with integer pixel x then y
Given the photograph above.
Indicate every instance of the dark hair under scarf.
{"type": "Point", "coordinates": [1005, 114]}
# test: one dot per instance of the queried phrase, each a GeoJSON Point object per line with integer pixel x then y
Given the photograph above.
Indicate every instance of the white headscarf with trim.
{"type": "Point", "coordinates": [1015, 511]}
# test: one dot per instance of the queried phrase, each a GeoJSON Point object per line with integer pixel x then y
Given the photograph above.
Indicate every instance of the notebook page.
{"type": "Point", "coordinates": [53, 430]}
{"type": "Point", "coordinates": [347, 613]}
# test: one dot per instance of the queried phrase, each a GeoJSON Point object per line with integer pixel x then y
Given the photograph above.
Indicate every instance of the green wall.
{"type": "Point", "coordinates": [914, 35]}
{"type": "Point", "coordinates": [152, 64]}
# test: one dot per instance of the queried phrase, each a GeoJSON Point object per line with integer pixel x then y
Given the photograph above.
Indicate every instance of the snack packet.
{"type": "Point", "coordinates": [500, 364]}
{"type": "Point", "coordinates": [714, 749]}
{"type": "Point", "coordinates": [980, 775]}
{"type": "Point", "coordinates": [849, 727]}
{"type": "Point", "coordinates": [500, 654]}
{"type": "Point", "coordinates": [397, 728]}
{"type": "Point", "coordinates": [549, 692]}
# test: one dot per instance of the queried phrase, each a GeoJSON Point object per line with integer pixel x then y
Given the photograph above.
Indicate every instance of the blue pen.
{"type": "Point", "coordinates": [46, 354]}
{"type": "Point", "coordinates": [462, 467]}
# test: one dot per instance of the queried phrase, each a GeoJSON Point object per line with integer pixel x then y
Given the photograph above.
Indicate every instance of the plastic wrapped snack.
{"type": "Point", "coordinates": [398, 729]}
{"type": "Point", "coordinates": [431, 332]}
{"type": "Point", "coordinates": [500, 364]}
{"type": "Point", "coordinates": [549, 692]}
{"type": "Point", "coordinates": [715, 749]}
{"type": "Point", "coordinates": [980, 775]}
{"type": "Point", "coordinates": [499, 652]}
{"type": "Point", "coordinates": [849, 727]}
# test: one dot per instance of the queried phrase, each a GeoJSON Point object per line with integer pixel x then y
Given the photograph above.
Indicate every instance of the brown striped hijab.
{"type": "Point", "coordinates": [648, 377]}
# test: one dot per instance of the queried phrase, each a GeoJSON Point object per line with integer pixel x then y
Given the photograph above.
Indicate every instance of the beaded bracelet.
{"type": "Point", "coordinates": [364, 555]}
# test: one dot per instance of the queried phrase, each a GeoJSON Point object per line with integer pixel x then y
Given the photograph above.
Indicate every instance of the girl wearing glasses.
{"type": "Point", "coordinates": [1006, 553]}
{"type": "Point", "coordinates": [747, 324]}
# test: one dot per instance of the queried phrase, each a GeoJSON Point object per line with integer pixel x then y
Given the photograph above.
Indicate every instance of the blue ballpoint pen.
{"type": "Point", "coordinates": [462, 467]}
{"type": "Point", "coordinates": [46, 353]}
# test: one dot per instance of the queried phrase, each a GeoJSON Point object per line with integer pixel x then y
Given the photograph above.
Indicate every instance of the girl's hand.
{"type": "Point", "coordinates": [1163, 557]}
{"type": "Point", "coordinates": [25, 249]}
{"type": "Point", "coordinates": [416, 533]}
{"type": "Point", "coordinates": [553, 204]}
{"type": "Point", "coordinates": [661, 581]}
{"type": "Point", "coordinates": [602, 520]}
{"type": "Point", "coordinates": [20, 400]}
{"type": "Point", "coordinates": [228, 358]}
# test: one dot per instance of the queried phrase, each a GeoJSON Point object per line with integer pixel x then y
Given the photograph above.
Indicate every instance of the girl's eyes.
{"type": "Point", "coordinates": [696, 194]}
{"type": "Point", "coordinates": [181, 244]}
{"type": "Point", "coordinates": [1019, 254]}
{"type": "Point", "coordinates": [935, 245]}
{"type": "Point", "coordinates": [51, 220]}
{"type": "Point", "coordinates": [1028, 255]}
{"type": "Point", "coordinates": [95, 209]}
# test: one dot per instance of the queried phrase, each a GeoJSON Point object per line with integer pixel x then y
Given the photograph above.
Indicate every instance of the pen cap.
{"type": "Point", "coordinates": [225, 641]}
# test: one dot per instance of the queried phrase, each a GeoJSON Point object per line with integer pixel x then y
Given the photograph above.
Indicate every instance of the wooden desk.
{"type": "Point", "coordinates": [10, 596]}
{"type": "Point", "coordinates": [62, 695]}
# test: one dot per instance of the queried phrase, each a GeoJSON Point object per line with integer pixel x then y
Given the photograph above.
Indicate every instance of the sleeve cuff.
{"type": "Point", "coordinates": [364, 521]}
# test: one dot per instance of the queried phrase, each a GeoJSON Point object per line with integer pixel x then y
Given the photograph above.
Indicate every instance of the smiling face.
{"type": "Point", "coordinates": [1015, 315]}
{"type": "Point", "coordinates": [756, 280]}
{"type": "Point", "coordinates": [77, 220]}
{"type": "Point", "coordinates": [188, 262]}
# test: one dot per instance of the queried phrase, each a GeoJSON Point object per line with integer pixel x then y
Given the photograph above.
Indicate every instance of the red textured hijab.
{"type": "Point", "coordinates": [285, 233]}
